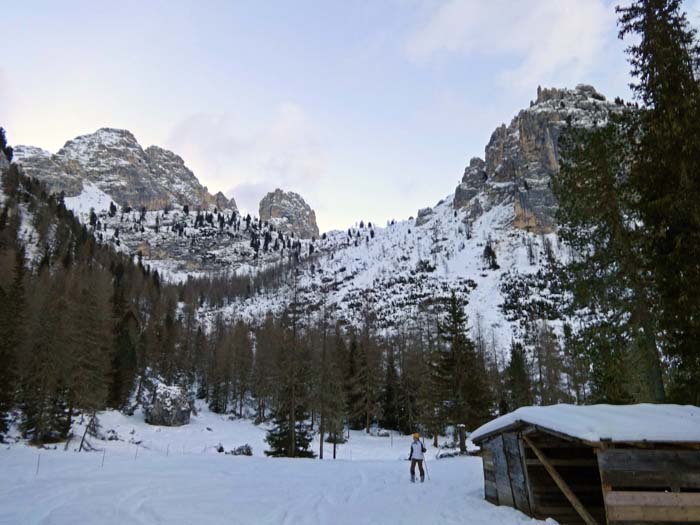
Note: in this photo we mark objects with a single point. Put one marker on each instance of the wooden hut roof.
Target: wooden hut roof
(595, 423)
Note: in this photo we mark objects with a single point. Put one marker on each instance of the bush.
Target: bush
(243, 450)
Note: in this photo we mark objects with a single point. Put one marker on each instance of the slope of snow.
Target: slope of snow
(91, 197)
(146, 474)
(403, 268)
(643, 422)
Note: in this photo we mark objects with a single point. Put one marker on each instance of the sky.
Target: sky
(368, 109)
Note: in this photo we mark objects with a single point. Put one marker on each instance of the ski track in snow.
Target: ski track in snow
(176, 477)
(72, 488)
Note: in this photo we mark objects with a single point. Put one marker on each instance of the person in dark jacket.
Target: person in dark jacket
(416, 456)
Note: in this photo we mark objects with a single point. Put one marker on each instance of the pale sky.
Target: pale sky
(368, 109)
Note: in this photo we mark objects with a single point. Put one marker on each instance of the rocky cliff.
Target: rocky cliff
(114, 161)
(289, 213)
(521, 158)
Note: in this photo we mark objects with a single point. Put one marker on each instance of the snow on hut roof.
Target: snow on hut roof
(644, 422)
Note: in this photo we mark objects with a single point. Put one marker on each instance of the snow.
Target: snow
(174, 475)
(643, 422)
(91, 197)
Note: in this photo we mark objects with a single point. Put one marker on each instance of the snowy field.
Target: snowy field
(175, 476)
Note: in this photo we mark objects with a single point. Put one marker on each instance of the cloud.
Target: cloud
(247, 159)
(553, 41)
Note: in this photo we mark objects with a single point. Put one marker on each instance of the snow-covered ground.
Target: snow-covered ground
(175, 475)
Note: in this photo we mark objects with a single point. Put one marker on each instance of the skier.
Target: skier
(416, 456)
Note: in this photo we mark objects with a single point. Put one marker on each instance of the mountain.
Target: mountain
(521, 158)
(113, 161)
(494, 233)
(289, 213)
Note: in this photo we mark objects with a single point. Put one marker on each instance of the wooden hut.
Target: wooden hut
(634, 464)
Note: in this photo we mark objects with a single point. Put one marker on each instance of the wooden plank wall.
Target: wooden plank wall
(643, 486)
(577, 465)
(504, 475)
(503, 486)
(516, 472)
(490, 491)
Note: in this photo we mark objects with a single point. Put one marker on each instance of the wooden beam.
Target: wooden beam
(575, 502)
(653, 507)
(565, 462)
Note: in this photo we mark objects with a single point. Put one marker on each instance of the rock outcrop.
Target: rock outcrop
(169, 407)
(289, 213)
(521, 158)
(223, 203)
(4, 164)
(424, 215)
(114, 161)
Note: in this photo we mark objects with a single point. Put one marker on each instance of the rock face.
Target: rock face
(424, 215)
(113, 160)
(222, 203)
(4, 164)
(289, 213)
(521, 158)
(169, 407)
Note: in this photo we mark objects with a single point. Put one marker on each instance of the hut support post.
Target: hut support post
(575, 502)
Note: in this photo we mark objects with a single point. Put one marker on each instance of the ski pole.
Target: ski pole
(425, 460)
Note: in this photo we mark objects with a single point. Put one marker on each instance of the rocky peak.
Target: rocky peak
(114, 161)
(521, 158)
(289, 213)
(223, 203)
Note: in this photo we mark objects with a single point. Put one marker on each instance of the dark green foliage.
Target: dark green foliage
(460, 371)
(517, 377)
(612, 292)
(286, 430)
(390, 395)
(5, 148)
(665, 173)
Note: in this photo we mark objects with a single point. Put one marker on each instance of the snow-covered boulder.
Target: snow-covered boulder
(169, 407)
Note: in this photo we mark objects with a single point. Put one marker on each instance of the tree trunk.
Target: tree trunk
(462, 439)
(321, 431)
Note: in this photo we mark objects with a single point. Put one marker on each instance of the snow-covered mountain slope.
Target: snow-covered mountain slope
(400, 270)
(114, 161)
(504, 205)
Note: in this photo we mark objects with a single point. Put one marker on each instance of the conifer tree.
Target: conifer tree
(611, 292)
(390, 392)
(518, 382)
(242, 363)
(665, 173)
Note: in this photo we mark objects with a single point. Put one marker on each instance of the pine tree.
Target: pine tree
(286, 430)
(461, 371)
(291, 435)
(390, 393)
(518, 382)
(612, 295)
(12, 334)
(266, 348)
(665, 173)
(242, 363)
